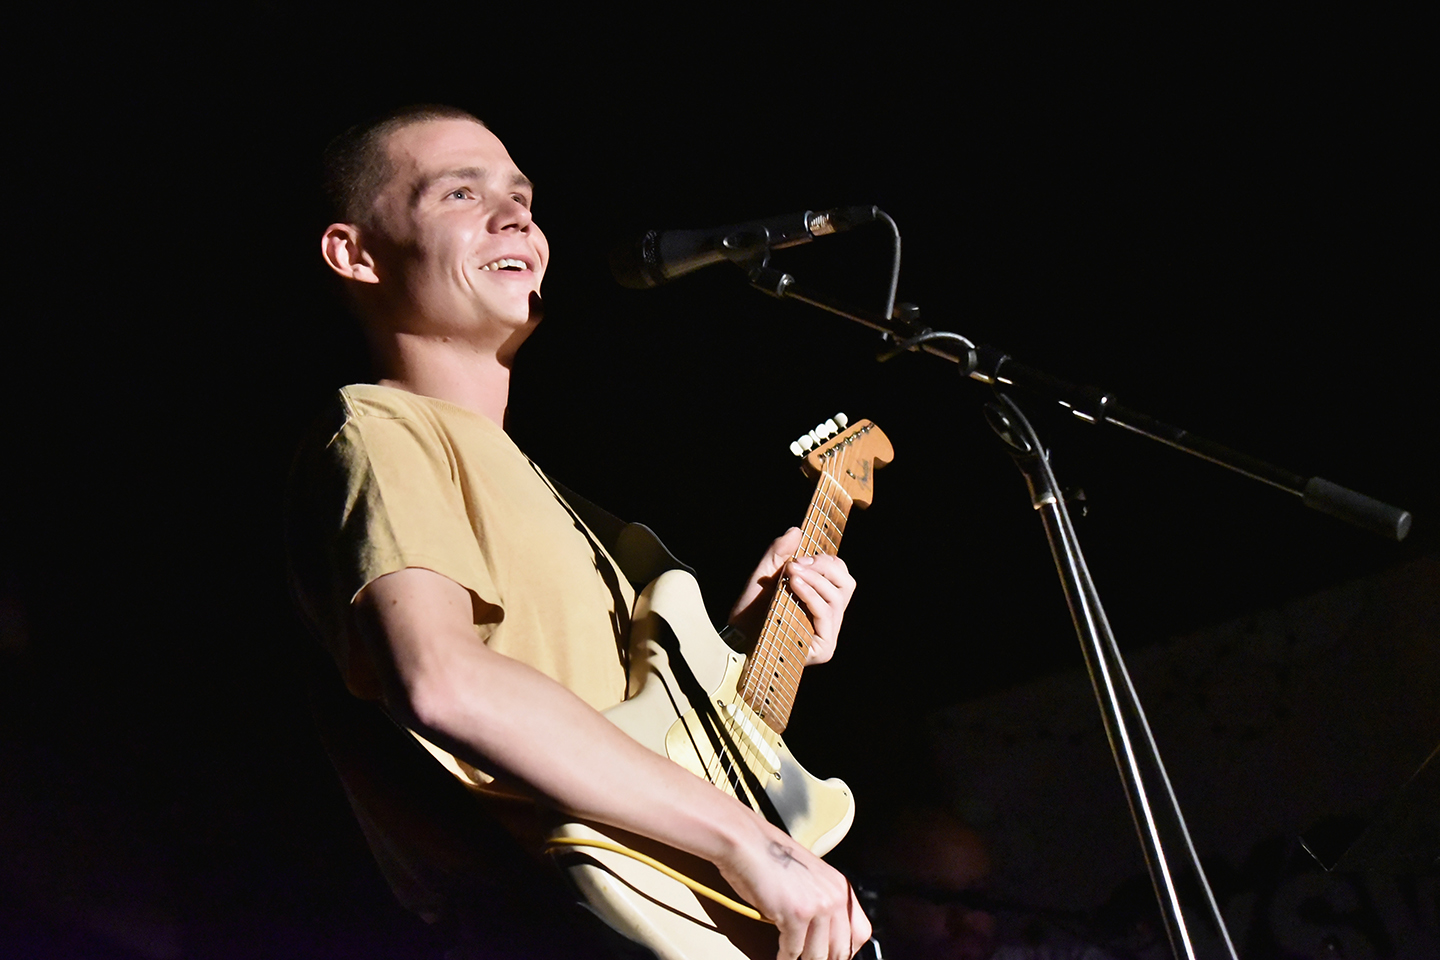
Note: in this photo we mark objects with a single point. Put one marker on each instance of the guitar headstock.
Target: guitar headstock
(848, 453)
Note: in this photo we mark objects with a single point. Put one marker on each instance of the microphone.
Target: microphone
(663, 255)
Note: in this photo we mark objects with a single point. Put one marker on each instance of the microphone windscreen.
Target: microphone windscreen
(635, 263)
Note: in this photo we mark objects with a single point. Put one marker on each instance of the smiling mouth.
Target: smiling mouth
(506, 263)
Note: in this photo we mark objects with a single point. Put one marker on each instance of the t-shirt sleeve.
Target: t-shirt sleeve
(403, 507)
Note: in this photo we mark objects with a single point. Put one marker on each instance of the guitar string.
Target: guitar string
(748, 759)
(724, 761)
(749, 752)
(823, 508)
(827, 506)
(752, 741)
(781, 612)
(723, 768)
(794, 624)
(764, 734)
(829, 516)
(791, 628)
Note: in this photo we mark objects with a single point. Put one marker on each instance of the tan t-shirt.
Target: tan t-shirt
(394, 480)
(411, 481)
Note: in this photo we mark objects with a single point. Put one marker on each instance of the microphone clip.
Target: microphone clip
(749, 249)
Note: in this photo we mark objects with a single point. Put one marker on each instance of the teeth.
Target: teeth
(505, 262)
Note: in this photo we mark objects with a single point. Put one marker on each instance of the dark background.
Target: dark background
(1227, 223)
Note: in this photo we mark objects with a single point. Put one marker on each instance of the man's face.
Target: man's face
(456, 249)
(930, 859)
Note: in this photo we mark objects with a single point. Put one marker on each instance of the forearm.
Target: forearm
(512, 721)
(533, 729)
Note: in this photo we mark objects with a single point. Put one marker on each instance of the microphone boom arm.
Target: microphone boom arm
(903, 330)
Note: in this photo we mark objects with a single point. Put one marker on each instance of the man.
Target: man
(922, 861)
(463, 593)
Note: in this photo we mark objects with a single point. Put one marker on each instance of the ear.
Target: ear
(342, 245)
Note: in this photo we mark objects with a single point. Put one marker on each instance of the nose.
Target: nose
(511, 214)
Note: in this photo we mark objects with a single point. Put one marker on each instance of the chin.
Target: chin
(520, 314)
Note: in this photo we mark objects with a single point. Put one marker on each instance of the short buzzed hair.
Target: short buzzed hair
(357, 165)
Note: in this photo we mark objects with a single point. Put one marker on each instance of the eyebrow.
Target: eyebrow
(464, 173)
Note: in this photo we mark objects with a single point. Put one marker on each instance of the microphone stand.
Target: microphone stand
(1175, 871)
(1193, 923)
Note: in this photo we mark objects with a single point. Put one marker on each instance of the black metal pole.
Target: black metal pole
(1192, 919)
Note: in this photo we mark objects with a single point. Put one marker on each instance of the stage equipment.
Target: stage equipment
(664, 255)
(1192, 920)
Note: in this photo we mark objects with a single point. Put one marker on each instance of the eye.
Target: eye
(459, 193)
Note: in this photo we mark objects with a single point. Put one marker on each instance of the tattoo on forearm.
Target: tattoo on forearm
(783, 856)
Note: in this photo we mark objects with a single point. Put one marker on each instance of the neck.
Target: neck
(447, 369)
(772, 672)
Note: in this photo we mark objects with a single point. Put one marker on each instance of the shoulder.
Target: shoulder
(359, 401)
(348, 406)
(383, 438)
(368, 404)
(371, 420)
(360, 424)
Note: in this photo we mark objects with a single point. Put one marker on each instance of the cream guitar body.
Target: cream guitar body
(720, 714)
(719, 738)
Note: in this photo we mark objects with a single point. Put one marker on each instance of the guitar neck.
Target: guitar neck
(772, 675)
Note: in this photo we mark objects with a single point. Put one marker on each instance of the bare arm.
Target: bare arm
(505, 716)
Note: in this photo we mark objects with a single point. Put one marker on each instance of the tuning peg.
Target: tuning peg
(821, 433)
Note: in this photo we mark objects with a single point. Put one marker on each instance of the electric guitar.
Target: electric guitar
(720, 714)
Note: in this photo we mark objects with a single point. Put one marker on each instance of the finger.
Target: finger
(822, 613)
(831, 568)
(840, 937)
(823, 600)
(792, 939)
(828, 585)
(825, 618)
(859, 923)
(743, 612)
(817, 944)
(828, 590)
(784, 546)
(781, 549)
